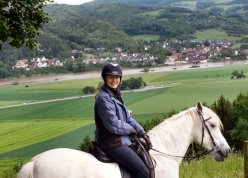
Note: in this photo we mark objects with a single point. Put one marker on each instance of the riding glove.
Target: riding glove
(147, 139)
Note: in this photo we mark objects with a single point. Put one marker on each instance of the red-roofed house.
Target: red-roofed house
(21, 64)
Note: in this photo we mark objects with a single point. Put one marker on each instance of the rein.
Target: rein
(189, 158)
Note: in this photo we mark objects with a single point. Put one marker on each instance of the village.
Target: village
(201, 53)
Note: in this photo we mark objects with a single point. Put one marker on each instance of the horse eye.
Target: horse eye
(213, 125)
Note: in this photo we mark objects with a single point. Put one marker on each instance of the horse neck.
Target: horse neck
(173, 136)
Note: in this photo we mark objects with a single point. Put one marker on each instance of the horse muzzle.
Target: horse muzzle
(221, 153)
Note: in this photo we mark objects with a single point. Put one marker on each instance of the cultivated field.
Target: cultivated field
(214, 34)
(31, 129)
(147, 37)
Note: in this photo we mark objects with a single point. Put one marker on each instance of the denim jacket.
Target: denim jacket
(114, 117)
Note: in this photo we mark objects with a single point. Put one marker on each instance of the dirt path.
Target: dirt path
(72, 76)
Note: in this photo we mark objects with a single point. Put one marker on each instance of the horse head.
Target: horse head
(208, 132)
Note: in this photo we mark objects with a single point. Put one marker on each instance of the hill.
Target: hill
(195, 4)
(71, 29)
(108, 24)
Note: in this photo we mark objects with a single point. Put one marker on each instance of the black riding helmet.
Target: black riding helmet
(112, 69)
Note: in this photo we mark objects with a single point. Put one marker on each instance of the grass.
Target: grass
(236, 45)
(70, 139)
(15, 135)
(185, 4)
(36, 92)
(147, 37)
(7, 165)
(151, 13)
(214, 34)
(208, 167)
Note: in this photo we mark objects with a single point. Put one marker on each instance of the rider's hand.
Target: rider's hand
(147, 139)
(133, 132)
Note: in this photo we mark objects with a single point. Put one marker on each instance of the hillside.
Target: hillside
(192, 4)
(108, 24)
(71, 29)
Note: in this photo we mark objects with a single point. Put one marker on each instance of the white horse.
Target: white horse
(172, 137)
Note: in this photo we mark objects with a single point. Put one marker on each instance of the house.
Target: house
(124, 54)
(74, 51)
(42, 64)
(93, 60)
(170, 62)
(205, 49)
(86, 60)
(185, 50)
(165, 45)
(101, 48)
(88, 49)
(147, 47)
(21, 64)
(54, 62)
(118, 49)
(173, 57)
(227, 59)
(246, 53)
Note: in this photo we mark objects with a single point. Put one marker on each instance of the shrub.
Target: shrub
(88, 90)
(86, 145)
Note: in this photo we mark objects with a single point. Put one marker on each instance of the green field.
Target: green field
(151, 13)
(147, 37)
(17, 94)
(30, 129)
(214, 34)
(185, 4)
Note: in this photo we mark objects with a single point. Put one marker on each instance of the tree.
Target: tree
(132, 83)
(88, 90)
(238, 75)
(223, 108)
(240, 106)
(240, 109)
(240, 133)
(20, 21)
(86, 145)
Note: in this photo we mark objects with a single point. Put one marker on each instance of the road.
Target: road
(77, 97)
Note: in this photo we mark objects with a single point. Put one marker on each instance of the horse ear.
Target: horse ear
(199, 106)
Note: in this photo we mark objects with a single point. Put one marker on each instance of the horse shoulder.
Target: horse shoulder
(165, 167)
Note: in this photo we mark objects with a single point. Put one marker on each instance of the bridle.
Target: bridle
(204, 125)
(198, 155)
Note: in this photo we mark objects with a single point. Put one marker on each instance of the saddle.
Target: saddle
(139, 147)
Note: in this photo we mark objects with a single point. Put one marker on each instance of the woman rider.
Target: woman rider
(114, 124)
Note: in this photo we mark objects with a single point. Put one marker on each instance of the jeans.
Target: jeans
(129, 160)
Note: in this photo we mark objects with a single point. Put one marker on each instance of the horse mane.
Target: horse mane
(174, 117)
(178, 115)
(191, 111)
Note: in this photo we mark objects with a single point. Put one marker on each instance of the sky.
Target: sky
(71, 2)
